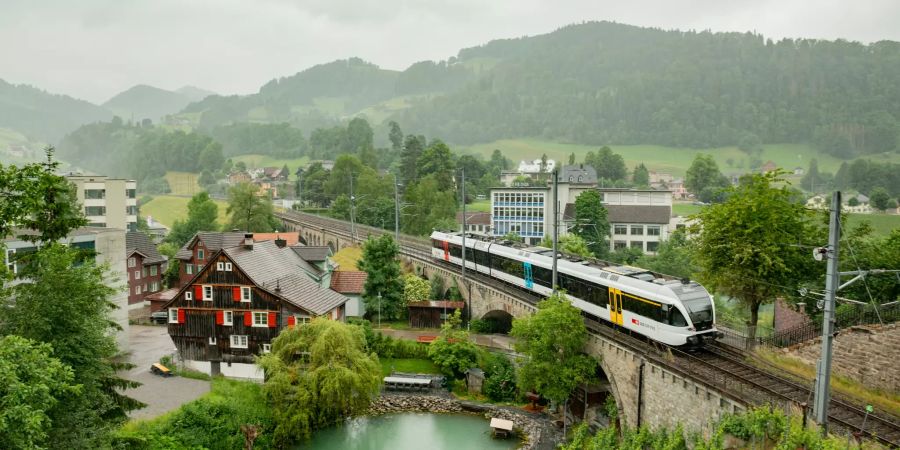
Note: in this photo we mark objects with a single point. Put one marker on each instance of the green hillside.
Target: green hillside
(43, 116)
(147, 102)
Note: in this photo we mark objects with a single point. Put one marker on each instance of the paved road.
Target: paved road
(148, 344)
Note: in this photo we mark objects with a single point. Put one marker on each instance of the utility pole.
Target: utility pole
(464, 284)
(555, 227)
(300, 190)
(352, 215)
(832, 284)
(396, 212)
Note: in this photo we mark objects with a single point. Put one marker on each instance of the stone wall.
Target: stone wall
(868, 354)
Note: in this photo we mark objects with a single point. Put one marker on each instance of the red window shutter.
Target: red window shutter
(180, 316)
(292, 321)
(198, 292)
(236, 293)
(248, 318)
(220, 317)
(273, 320)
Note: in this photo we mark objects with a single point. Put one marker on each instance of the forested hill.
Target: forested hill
(601, 82)
(44, 116)
(148, 102)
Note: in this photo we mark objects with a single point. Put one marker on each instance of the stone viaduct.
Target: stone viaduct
(646, 392)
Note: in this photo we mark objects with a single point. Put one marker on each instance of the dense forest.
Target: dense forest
(598, 83)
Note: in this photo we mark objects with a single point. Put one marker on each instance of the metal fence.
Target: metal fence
(738, 335)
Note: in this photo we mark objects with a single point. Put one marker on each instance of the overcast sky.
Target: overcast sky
(93, 49)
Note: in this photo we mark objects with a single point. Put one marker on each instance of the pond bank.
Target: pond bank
(535, 430)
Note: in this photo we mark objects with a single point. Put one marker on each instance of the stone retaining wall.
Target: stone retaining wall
(867, 354)
(535, 431)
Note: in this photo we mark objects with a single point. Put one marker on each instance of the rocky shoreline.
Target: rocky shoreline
(535, 430)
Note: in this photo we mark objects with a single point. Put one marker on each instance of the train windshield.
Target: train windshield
(698, 304)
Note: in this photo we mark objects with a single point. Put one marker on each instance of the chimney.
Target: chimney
(248, 241)
(281, 243)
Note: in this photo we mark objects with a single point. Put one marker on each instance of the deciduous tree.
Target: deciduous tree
(318, 374)
(453, 352)
(415, 289)
(747, 246)
(248, 211)
(641, 176)
(703, 175)
(552, 340)
(202, 216)
(438, 161)
(879, 198)
(591, 223)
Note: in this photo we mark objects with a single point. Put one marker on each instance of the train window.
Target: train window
(599, 295)
(676, 319)
(455, 251)
(437, 244)
(543, 276)
(481, 258)
(648, 310)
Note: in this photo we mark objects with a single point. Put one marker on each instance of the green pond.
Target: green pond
(410, 431)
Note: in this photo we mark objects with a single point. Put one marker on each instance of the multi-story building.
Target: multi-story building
(238, 302)
(108, 202)
(638, 218)
(107, 247)
(145, 267)
(522, 211)
(476, 222)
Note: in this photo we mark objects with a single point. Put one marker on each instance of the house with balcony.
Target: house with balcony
(239, 300)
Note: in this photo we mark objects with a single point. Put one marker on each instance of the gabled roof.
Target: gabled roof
(349, 282)
(136, 241)
(212, 240)
(474, 218)
(313, 254)
(280, 271)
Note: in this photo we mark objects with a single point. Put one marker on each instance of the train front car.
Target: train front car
(700, 311)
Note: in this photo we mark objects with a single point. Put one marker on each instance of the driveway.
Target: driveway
(148, 344)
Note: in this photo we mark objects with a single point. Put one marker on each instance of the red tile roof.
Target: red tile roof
(348, 282)
(292, 238)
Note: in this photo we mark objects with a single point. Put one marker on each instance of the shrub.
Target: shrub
(499, 377)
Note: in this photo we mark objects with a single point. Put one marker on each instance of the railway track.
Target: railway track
(715, 367)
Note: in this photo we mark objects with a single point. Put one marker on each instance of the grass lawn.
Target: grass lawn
(667, 159)
(881, 223)
(407, 365)
(685, 209)
(183, 183)
(479, 205)
(166, 209)
(253, 161)
(347, 258)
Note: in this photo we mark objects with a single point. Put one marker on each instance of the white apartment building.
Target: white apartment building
(638, 218)
(523, 211)
(108, 202)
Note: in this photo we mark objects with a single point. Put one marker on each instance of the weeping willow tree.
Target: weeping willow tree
(317, 375)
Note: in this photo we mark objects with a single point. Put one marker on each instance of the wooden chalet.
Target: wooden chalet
(238, 302)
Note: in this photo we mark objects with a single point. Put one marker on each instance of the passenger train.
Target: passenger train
(674, 312)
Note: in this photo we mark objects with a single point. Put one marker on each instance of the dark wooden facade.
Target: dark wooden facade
(141, 278)
(196, 263)
(431, 314)
(199, 320)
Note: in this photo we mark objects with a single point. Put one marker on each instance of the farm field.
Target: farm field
(667, 159)
(183, 183)
(253, 161)
(882, 224)
(479, 206)
(166, 209)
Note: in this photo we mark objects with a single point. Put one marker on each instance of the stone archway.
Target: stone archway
(500, 321)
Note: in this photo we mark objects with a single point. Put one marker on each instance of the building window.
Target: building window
(11, 260)
(200, 254)
(154, 286)
(619, 245)
(131, 210)
(228, 318)
(207, 293)
(212, 340)
(652, 246)
(620, 229)
(137, 274)
(144, 271)
(637, 230)
(188, 295)
(189, 269)
(267, 348)
(238, 341)
(638, 245)
(245, 294)
(94, 193)
(154, 270)
(131, 262)
(260, 319)
(220, 266)
(173, 315)
(137, 290)
(228, 267)
(130, 193)
(145, 287)
(653, 230)
(301, 319)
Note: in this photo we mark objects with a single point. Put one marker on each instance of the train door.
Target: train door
(446, 251)
(615, 306)
(529, 280)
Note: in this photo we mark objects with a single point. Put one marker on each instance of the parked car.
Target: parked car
(160, 317)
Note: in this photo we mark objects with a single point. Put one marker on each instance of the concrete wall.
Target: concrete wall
(110, 247)
(867, 354)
